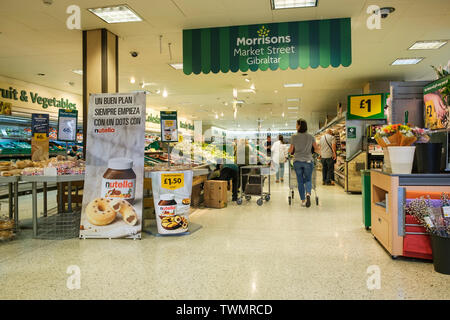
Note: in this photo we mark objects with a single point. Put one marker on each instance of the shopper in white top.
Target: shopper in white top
(328, 156)
(279, 156)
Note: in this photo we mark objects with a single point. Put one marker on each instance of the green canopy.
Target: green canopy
(284, 45)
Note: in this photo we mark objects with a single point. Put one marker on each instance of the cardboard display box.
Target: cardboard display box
(215, 194)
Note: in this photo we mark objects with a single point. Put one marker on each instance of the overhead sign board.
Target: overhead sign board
(298, 44)
(367, 106)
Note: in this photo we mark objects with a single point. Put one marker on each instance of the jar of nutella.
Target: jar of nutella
(119, 181)
(167, 204)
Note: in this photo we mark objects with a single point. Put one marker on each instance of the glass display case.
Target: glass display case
(15, 138)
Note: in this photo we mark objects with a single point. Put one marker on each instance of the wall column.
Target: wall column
(100, 68)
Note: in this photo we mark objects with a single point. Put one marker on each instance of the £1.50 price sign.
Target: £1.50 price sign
(172, 181)
(368, 106)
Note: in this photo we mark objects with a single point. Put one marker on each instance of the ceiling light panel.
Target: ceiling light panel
(176, 66)
(116, 14)
(293, 85)
(293, 99)
(426, 45)
(406, 61)
(289, 4)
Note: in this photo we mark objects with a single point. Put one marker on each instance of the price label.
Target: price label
(40, 136)
(172, 181)
(366, 107)
(446, 211)
(428, 222)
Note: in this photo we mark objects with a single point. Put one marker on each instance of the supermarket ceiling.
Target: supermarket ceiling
(34, 39)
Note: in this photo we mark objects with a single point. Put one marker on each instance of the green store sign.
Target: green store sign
(156, 119)
(153, 119)
(34, 97)
(186, 126)
(271, 46)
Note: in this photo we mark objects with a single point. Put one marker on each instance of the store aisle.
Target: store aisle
(275, 251)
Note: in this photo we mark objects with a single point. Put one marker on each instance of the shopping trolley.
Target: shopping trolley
(293, 180)
(255, 175)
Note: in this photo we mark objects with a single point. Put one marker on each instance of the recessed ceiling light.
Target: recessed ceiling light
(217, 116)
(247, 79)
(424, 45)
(176, 66)
(282, 114)
(288, 4)
(276, 91)
(132, 80)
(406, 61)
(293, 85)
(252, 87)
(80, 72)
(292, 108)
(116, 14)
(240, 101)
(165, 94)
(293, 99)
(221, 114)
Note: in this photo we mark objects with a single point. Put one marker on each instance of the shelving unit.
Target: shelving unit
(338, 127)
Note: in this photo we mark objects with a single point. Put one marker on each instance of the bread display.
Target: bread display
(64, 165)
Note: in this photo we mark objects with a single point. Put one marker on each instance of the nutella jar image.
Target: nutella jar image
(167, 205)
(168, 217)
(119, 180)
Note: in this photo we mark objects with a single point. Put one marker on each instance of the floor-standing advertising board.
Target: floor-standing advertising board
(113, 186)
(171, 188)
(172, 199)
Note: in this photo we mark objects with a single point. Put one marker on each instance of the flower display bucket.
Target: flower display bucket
(441, 254)
(401, 159)
(428, 157)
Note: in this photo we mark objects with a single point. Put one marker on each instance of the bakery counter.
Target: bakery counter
(388, 198)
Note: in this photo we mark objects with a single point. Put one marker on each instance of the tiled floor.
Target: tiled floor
(275, 251)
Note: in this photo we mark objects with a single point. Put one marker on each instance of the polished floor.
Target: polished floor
(275, 251)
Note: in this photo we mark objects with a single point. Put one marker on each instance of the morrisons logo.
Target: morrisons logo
(263, 38)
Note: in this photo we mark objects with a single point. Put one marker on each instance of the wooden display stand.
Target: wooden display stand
(388, 223)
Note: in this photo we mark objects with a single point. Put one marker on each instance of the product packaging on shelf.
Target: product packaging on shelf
(172, 198)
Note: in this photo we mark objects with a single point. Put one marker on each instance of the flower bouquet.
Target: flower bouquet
(421, 134)
(395, 135)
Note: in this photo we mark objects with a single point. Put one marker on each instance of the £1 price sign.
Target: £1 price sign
(368, 106)
(172, 181)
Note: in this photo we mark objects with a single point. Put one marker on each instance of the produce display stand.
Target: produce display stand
(34, 180)
(13, 197)
(387, 204)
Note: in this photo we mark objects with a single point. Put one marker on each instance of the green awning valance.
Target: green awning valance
(284, 45)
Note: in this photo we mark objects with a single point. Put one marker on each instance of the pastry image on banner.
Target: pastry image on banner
(114, 179)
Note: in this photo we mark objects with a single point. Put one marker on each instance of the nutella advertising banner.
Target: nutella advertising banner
(172, 199)
(113, 185)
